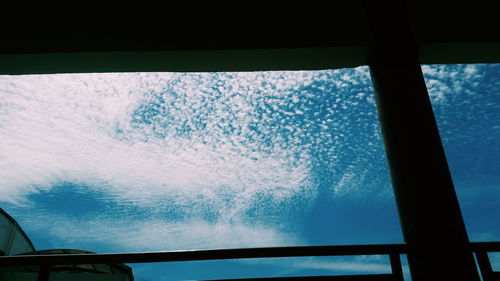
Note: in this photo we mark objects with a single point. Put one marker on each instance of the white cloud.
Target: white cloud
(80, 129)
(197, 142)
(345, 183)
(445, 81)
(108, 234)
(357, 266)
(64, 128)
(337, 265)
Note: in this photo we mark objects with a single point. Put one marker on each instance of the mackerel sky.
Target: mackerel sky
(119, 162)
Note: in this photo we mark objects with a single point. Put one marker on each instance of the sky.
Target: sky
(134, 162)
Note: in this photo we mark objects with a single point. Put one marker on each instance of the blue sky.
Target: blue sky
(121, 162)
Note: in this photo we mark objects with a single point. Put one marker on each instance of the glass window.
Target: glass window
(466, 102)
(268, 267)
(118, 162)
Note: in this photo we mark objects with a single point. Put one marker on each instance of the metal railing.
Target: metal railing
(394, 251)
(481, 249)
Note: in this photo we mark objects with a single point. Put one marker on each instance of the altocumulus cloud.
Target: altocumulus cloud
(110, 234)
(218, 143)
(64, 128)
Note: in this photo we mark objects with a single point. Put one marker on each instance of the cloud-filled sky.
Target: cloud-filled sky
(466, 103)
(119, 162)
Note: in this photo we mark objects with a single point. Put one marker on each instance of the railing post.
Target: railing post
(396, 268)
(485, 266)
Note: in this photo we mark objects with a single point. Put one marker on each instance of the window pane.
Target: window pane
(495, 260)
(466, 102)
(267, 267)
(121, 162)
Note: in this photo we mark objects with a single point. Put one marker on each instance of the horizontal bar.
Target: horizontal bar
(372, 277)
(485, 246)
(311, 58)
(194, 255)
(221, 254)
(185, 60)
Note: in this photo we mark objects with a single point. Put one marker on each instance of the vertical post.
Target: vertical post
(396, 268)
(432, 223)
(433, 228)
(485, 265)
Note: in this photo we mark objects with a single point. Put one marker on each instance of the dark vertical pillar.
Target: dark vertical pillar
(432, 223)
(428, 207)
